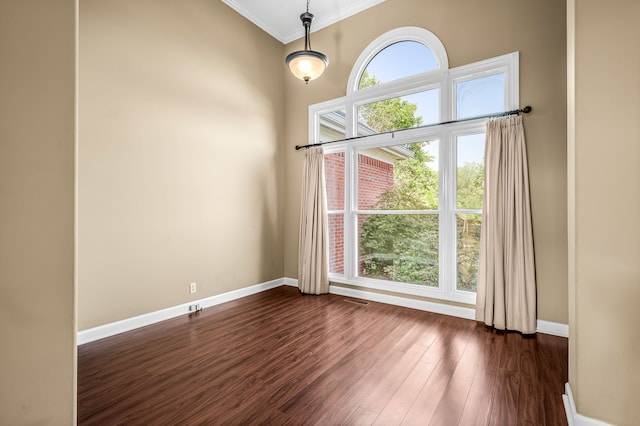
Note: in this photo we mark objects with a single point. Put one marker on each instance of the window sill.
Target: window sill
(402, 289)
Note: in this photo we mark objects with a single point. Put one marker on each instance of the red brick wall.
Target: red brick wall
(334, 176)
(336, 243)
(374, 177)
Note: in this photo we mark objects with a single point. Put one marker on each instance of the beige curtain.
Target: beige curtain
(313, 256)
(506, 296)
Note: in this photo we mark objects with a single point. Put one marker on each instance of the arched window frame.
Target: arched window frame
(419, 35)
(446, 81)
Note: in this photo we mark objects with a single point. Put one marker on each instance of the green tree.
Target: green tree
(468, 250)
(388, 114)
(401, 248)
(470, 182)
(415, 183)
(404, 247)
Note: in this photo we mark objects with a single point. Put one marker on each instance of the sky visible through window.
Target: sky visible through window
(404, 59)
(480, 96)
(470, 149)
(475, 97)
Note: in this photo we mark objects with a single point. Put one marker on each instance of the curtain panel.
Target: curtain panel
(313, 255)
(506, 294)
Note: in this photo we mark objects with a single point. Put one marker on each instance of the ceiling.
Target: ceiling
(281, 18)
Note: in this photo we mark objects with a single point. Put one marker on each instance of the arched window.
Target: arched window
(378, 70)
(405, 207)
(399, 53)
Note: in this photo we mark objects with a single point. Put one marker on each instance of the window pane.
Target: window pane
(468, 250)
(396, 61)
(399, 113)
(332, 126)
(470, 171)
(402, 248)
(336, 243)
(334, 180)
(480, 96)
(399, 177)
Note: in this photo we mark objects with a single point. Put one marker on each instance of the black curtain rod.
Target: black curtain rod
(525, 110)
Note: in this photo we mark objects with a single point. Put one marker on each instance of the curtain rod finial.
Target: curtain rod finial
(527, 109)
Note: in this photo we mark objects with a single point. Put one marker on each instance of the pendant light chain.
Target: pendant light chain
(307, 32)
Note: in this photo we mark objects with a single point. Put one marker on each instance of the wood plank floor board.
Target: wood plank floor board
(476, 410)
(493, 347)
(450, 407)
(314, 399)
(504, 408)
(361, 417)
(382, 387)
(403, 399)
(425, 405)
(376, 386)
(281, 358)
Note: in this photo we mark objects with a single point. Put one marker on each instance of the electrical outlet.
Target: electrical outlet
(193, 288)
(194, 308)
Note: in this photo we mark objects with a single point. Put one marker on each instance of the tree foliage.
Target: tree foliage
(470, 182)
(388, 114)
(404, 247)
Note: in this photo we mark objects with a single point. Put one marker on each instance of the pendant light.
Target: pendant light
(307, 64)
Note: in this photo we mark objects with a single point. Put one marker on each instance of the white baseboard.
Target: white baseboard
(422, 305)
(553, 328)
(573, 418)
(545, 327)
(111, 329)
(290, 281)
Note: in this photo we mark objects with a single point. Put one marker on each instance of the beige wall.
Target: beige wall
(37, 146)
(156, 78)
(604, 198)
(471, 31)
(180, 155)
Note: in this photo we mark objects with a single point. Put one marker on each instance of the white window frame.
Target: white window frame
(445, 79)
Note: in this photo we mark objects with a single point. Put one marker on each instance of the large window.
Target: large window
(405, 193)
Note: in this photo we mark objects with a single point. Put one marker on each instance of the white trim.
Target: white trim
(508, 64)
(573, 418)
(290, 282)
(542, 326)
(265, 26)
(292, 32)
(111, 329)
(420, 35)
(553, 328)
(326, 19)
(439, 292)
(422, 305)
(445, 80)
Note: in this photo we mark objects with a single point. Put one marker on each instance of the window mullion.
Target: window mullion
(447, 189)
(445, 98)
(447, 194)
(350, 191)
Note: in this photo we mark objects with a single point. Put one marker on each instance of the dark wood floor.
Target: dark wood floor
(280, 358)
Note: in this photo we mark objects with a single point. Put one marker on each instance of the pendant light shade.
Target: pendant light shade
(307, 64)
